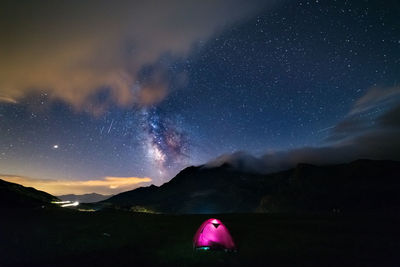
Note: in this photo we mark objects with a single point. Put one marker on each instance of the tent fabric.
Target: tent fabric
(213, 234)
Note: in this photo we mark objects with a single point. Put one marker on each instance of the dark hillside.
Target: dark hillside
(17, 196)
(359, 186)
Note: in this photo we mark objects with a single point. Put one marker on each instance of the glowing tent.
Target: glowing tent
(213, 235)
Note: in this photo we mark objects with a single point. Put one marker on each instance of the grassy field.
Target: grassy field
(117, 238)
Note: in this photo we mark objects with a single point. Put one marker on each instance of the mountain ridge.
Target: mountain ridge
(304, 188)
(14, 195)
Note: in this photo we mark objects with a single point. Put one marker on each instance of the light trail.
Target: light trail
(73, 204)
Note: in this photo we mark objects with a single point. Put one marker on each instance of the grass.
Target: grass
(55, 237)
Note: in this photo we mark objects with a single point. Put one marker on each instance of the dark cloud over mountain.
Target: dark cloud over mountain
(371, 130)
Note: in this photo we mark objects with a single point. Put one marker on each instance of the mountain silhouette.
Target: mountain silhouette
(359, 186)
(17, 196)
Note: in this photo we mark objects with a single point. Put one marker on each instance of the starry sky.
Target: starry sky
(108, 98)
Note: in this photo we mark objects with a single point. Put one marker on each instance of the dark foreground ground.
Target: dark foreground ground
(117, 238)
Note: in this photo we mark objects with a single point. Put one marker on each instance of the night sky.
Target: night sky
(181, 84)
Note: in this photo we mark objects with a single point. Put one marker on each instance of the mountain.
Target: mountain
(359, 186)
(196, 190)
(17, 196)
(85, 198)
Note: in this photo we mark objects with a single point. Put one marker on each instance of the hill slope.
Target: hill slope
(17, 196)
(359, 186)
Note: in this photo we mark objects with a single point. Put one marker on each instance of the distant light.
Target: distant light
(66, 203)
(60, 202)
(55, 146)
(87, 210)
(74, 204)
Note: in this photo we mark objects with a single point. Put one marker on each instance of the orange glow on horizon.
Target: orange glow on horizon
(106, 186)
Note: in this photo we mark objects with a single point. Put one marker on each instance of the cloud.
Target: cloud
(283, 160)
(72, 50)
(240, 160)
(371, 130)
(105, 186)
(6, 99)
(376, 97)
(377, 112)
(392, 118)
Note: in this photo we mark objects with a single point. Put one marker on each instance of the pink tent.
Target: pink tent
(213, 234)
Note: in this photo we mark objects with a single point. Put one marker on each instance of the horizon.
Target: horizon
(217, 164)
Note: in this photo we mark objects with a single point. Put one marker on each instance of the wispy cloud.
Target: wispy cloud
(106, 185)
(6, 99)
(373, 113)
(74, 50)
(371, 130)
(376, 97)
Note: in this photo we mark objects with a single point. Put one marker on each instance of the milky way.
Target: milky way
(166, 144)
